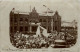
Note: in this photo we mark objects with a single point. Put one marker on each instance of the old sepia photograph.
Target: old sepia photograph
(37, 30)
(40, 24)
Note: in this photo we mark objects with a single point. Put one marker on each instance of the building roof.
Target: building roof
(33, 10)
(69, 24)
(20, 12)
(46, 14)
(66, 24)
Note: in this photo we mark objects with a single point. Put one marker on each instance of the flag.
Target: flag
(44, 5)
(45, 33)
(48, 9)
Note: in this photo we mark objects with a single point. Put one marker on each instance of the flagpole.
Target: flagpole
(30, 8)
(51, 19)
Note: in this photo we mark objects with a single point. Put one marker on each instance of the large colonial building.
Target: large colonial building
(27, 22)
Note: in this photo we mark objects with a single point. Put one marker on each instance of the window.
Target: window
(34, 28)
(11, 19)
(11, 29)
(15, 28)
(21, 28)
(49, 31)
(44, 20)
(15, 19)
(26, 28)
(21, 19)
(55, 28)
(26, 20)
(48, 21)
(44, 27)
(40, 20)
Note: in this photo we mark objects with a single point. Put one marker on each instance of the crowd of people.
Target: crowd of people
(24, 41)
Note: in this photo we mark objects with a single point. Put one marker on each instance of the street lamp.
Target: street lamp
(50, 11)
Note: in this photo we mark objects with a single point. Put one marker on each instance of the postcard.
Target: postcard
(39, 25)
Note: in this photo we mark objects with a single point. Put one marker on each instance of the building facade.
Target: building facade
(69, 26)
(27, 23)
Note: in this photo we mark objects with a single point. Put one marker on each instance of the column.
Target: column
(30, 29)
(23, 25)
(47, 24)
(13, 22)
(51, 25)
(18, 21)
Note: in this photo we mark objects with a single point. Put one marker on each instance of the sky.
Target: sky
(68, 9)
